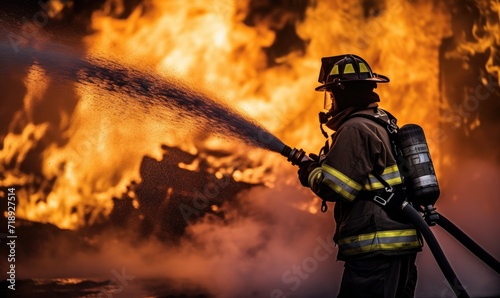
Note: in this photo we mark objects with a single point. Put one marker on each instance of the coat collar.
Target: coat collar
(336, 121)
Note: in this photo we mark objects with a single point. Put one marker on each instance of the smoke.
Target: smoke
(264, 246)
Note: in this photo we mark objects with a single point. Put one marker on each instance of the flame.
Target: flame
(16, 147)
(486, 37)
(485, 41)
(212, 46)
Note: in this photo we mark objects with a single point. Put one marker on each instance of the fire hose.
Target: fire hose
(435, 248)
(297, 156)
(468, 243)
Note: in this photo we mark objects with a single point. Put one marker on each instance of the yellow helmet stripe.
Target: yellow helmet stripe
(363, 68)
(349, 68)
(335, 70)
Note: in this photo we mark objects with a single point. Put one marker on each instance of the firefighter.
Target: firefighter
(377, 246)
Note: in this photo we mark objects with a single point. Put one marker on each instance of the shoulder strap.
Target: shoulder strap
(390, 199)
(390, 126)
(392, 129)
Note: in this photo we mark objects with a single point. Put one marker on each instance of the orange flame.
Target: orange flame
(209, 44)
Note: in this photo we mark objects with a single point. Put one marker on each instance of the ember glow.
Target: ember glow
(72, 147)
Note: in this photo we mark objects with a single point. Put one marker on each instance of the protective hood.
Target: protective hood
(339, 118)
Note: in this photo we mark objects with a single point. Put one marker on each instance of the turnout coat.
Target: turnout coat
(361, 147)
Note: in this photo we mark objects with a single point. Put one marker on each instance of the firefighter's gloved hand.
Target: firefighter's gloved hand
(305, 169)
(313, 156)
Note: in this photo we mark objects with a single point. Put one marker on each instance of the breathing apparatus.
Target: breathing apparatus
(409, 146)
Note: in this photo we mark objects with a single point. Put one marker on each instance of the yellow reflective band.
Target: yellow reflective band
(313, 176)
(391, 175)
(335, 70)
(379, 234)
(340, 183)
(348, 68)
(341, 176)
(379, 185)
(362, 67)
(382, 246)
(390, 169)
(381, 240)
(349, 196)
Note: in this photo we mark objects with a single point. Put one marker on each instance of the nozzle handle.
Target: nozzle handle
(295, 156)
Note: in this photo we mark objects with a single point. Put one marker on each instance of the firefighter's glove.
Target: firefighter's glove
(314, 157)
(305, 169)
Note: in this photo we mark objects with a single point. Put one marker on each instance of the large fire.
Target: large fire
(209, 43)
(259, 58)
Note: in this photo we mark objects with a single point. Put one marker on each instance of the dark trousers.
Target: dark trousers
(381, 276)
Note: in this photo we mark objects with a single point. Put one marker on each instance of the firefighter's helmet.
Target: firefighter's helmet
(346, 68)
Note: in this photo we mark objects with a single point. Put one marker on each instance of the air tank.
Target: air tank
(417, 167)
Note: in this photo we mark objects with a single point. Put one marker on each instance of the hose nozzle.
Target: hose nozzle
(295, 156)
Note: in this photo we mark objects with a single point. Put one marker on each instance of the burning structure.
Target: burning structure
(96, 174)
